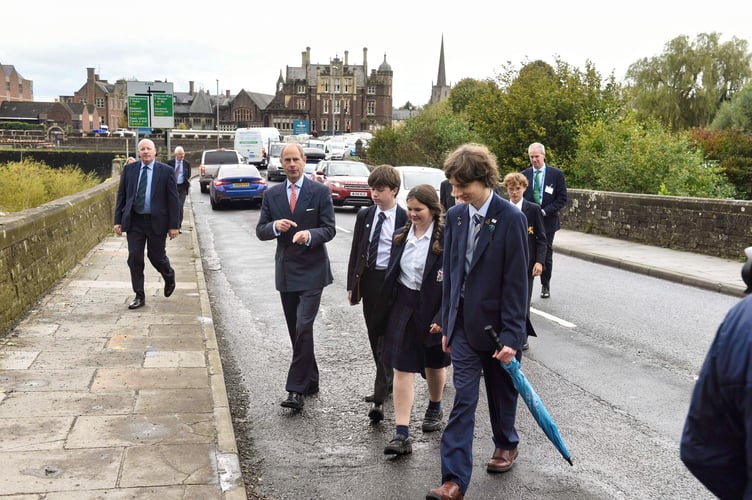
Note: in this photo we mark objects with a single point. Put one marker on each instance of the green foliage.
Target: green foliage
(685, 86)
(425, 139)
(731, 150)
(627, 156)
(26, 184)
(540, 103)
(736, 113)
(21, 126)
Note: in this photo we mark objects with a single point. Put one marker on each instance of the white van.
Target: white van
(253, 143)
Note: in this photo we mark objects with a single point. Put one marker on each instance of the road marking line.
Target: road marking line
(553, 318)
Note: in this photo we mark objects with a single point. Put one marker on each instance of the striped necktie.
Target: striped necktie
(373, 246)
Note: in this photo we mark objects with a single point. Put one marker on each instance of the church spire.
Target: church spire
(441, 80)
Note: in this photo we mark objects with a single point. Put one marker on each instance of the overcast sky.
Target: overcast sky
(246, 44)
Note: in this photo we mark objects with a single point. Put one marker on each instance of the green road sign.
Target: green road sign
(162, 105)
(138, 111)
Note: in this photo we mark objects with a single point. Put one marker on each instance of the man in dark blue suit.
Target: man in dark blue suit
(182, 169)
(547, 188)
(485, 283)
(299, 215)
(147, 210)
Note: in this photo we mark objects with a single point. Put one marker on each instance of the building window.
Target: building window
(336, 125)
(100, 102)
(301, 104)
(326, 86)
(371, 107)
(20, 89)
(372, 90)
(7, 86)
(326, 106)
(324, 124)
(347, 86)
(337, 106)
(301, 88)
(83, 101)
(347, 107)
(337, 88)
(313, 125)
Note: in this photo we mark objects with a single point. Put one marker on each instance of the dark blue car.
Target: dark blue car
(236, 183)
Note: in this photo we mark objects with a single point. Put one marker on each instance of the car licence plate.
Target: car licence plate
(359, 193)
(241, 184)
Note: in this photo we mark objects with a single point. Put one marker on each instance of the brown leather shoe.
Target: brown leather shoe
(448, 491)
(502, 460)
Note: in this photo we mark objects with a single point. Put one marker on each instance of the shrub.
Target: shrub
(26, 184)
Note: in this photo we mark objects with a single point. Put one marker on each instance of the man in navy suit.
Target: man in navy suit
(299, 215)
(485, 283)
(547, 188)
(182, 168)
(147, 210)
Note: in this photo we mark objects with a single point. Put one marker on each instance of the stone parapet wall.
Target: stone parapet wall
(721, 228)
(38, 246)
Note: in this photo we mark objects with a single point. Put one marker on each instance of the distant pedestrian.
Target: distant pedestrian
(515, 184)
(147, 210)
(445, 195)
(182, 169)
(716, 445)
(366, 270)
(299, 214)
(547, 188)
(413, 339)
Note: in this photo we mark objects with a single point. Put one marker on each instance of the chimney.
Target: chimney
(302, 59)
(90, 74)
(308, 55)
(347, 54)
(190, 88)
(365, 61)
(227, 93)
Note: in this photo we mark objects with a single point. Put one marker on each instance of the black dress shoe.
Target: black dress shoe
(545, 292)
(376, 414)
(137, 302)
(169, 288)
(294, 400)
(399, 445)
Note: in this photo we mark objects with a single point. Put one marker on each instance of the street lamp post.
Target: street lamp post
(334, 97)
(217, 127)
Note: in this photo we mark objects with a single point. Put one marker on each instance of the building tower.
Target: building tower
(441, 90)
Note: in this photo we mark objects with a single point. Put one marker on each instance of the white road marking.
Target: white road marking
(553, 318)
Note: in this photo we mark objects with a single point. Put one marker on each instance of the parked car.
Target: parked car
(211, 160)
(124, 132)
(274, 171)
(411, 176)
(236, 183)
(347, 181)
(337, 149)
(103, 130)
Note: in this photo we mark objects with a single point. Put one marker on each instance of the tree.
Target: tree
(685, 86)
(735, 114)
(630, 156)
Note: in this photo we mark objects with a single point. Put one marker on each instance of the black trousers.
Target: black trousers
(549, 264)
(141, 236)
(300, 310)
(376, 313)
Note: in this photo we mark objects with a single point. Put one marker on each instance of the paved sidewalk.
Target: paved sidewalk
(702, 271)
(98, 401)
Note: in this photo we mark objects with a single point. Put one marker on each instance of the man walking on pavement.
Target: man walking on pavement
(147, 210)
(299, 214)
(182, 169)
(546, 187)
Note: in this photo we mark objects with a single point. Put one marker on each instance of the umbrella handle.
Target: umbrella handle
(495, 338)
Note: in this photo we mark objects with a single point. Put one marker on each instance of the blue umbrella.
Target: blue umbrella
(532, 400)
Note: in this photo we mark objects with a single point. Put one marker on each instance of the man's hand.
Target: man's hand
(172, 233)
(505, 355)
(284, 225)
(301, 237)
(118, 229)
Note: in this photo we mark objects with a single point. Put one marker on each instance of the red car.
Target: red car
(347, 181)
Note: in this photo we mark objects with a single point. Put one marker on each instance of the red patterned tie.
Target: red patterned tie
(293, 197)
